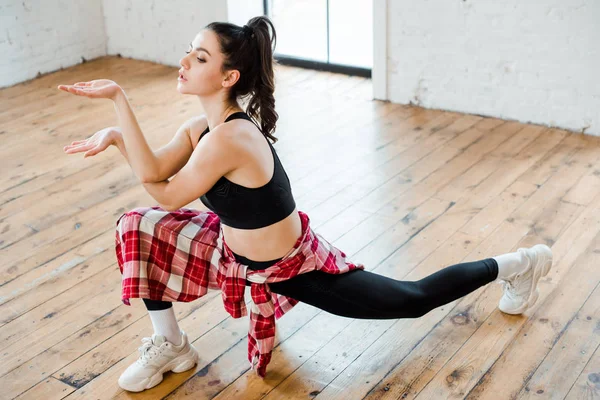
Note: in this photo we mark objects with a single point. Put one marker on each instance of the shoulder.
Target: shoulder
(243, 132)
(228, 135)
(223, 141)
(196, 125)
(236, 137)
(198, 121)
(219, 153)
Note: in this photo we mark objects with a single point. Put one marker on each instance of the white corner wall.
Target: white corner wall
(37, 37)
(535, 62)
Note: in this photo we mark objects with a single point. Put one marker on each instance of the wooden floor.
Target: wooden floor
(404, 190)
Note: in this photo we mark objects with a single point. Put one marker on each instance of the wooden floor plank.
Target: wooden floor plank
(587, 386)
(571, 352)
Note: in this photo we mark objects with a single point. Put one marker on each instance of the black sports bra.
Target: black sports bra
(251, 208)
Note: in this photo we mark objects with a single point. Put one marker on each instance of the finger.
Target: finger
(75, 143)
(73, 149)
(80, 91)
(84, 89)
(75, 88)
(67, 88)
(79, 148)
(80, 145)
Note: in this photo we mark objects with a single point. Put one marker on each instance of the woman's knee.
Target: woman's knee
(136, 212)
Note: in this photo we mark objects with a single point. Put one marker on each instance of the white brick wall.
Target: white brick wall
(158, 31)
(531, 61)
(41, 36)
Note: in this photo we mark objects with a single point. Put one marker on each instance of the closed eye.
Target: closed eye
(199, 59)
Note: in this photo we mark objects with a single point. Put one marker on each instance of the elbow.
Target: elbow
(168, 208)
(145, 179)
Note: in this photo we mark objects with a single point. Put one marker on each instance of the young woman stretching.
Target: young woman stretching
(254, 234)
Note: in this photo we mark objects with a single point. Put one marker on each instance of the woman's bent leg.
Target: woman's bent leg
(154, 305)
(163, 320)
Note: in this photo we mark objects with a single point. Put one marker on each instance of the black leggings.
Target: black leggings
(367, 295)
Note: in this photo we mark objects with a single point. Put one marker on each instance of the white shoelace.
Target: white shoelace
(148, 350)
(510, 289)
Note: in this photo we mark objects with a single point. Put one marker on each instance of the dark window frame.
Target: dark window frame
(319, 65)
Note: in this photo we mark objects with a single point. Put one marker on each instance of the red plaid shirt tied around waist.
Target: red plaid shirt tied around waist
(177, 256)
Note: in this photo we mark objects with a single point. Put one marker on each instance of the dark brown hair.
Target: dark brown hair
(249, 49)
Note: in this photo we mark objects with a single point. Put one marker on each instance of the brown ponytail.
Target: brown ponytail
(249, 49)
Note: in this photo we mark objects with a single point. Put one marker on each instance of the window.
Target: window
(331, 35)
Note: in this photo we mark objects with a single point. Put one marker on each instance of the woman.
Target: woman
(254, 230)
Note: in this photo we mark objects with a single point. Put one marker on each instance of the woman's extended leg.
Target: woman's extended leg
(367, 295)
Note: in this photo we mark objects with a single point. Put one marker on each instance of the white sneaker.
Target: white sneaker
(520, 289)
(157, 355)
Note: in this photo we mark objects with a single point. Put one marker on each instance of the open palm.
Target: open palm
(96, 89)
(95, 144)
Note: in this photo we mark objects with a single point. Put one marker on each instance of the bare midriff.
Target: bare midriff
(265, 244)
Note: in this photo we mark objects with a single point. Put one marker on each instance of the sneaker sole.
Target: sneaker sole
(179, 364)
(538, 273)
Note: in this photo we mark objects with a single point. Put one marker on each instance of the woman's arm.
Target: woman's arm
(142, 159)
(119, 144)
(155, 189)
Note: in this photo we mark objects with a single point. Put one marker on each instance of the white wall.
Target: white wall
(529, 61)
(533, 62)
(42, 36)
(157, 31)
(37, 37)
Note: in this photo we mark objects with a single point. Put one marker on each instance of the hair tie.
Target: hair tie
(248, 30)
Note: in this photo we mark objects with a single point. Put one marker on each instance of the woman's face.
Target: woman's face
(201, 67)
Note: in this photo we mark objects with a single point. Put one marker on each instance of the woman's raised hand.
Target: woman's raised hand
(96, 89)
(95, 144)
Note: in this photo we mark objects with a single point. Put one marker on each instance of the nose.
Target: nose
(182, 62)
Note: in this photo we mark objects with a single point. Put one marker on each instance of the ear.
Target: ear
(231, 78)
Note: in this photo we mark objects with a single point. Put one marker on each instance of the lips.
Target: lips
(181, 77)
